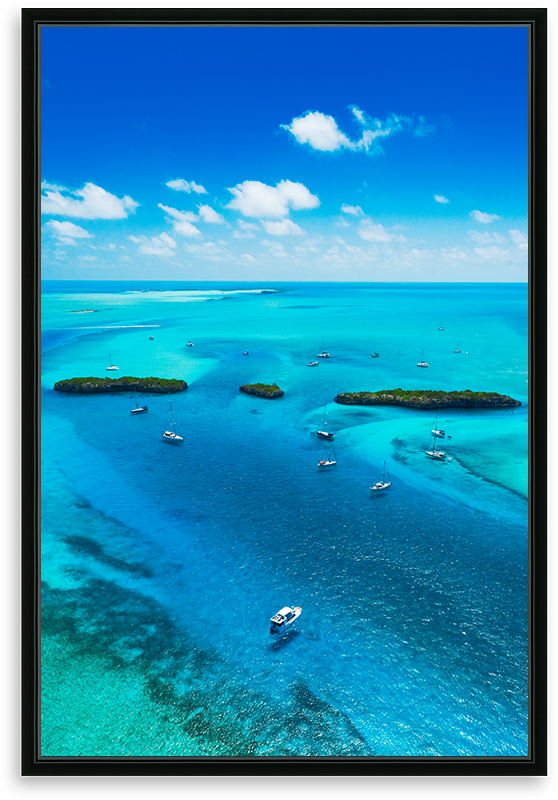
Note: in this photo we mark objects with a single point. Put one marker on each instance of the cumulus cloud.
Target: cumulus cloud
(321, 131)
(356, 210)
(256, 199)
(485, 237)
(208, 214)
(519, 239)
(246, 230)
(373, 232)
(318, 130)
(156, 245)
(180, 185)
(439, 198)
(181, 221)
(481, 216)
(91, 202)
(66, 232)
(282, 227)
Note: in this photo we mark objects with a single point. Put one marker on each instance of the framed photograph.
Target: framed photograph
(284, 376)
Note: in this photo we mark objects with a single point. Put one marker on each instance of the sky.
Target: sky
(284, 153)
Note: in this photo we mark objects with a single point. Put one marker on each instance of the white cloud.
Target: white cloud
(208, 214)
(52, 186)
(439, 198)
(519, 239)
(492, 252)
(66, 232)
(181, 221)
(356, 210)
(248, 257)
(481, 216)
(156, 245)
(256, 199)
(180, 185)
(246, 230)
(318, 130)
(209, 251)
(282, 227)
(483, 238)
(373, 232)
(94, 203)
(321, 131)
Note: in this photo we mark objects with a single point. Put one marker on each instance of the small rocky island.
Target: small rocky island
(262, 389)
(427, 399)
(124, 384)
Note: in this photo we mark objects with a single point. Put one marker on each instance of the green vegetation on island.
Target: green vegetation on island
(124, 384)
(262, 389)
(427, 399)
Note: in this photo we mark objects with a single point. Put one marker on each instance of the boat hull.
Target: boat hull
(140, 410)
(173, 438)
(326, 435)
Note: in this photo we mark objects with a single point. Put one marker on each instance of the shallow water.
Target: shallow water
(162, 564)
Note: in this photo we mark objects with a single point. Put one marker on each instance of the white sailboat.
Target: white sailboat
(324, 353)
(457, 350)
(329, 461)
(312, 363)
(112, 366)
(172, 436)
(435, 431)
(437, 455)
(422, 362)
(384, 483)
(323, 433)
(138, 409)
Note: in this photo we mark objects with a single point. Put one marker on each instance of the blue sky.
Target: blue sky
(358, 154)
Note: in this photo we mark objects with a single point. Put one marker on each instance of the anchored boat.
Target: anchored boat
(384, 483)
(172, 436)
(285, 617)
(323, 433)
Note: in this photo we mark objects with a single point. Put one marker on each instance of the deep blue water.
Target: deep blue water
(162, 564)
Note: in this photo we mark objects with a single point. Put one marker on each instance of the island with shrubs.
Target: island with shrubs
(269, 390)
(124, 384)
(427, 399)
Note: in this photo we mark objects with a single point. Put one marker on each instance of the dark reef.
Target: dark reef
(262, 389)
(124, 384)
(427, 399)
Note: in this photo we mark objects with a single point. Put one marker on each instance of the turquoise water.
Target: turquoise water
(162, 564)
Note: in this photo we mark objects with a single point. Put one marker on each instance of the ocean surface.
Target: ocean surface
(162, 564)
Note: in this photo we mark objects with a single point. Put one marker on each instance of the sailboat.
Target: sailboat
(172, 436)
(324, 354)
(435, 431)
(112, 366)
(383, 484)
(138, 409)
(189, 343)
(329, 461)
(312, 363)
(325, 434)
(438, 455)
(422, 362)
(374, 355)
(457, 350)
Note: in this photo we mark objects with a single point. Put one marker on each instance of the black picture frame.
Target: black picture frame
(32, 763)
